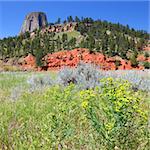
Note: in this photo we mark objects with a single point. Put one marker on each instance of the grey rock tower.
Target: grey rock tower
(33, 21)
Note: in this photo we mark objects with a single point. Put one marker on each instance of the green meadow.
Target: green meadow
(106, 117)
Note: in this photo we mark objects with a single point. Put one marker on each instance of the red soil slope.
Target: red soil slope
(71, 58)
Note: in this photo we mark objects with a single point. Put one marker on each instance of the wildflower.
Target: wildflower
(84, 104)
(109, 126)
(110, 79)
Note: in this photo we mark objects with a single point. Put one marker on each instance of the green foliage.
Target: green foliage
(116, 114)
(147, 65)
(133, 60)
(146, 54)
(116, 39)
(58, 21)
(39, 55)
(117, 63)
(102, 36)
(72, 43)
(64, 37)
(65, 41)
(109, 117)
(70, 19)
(77, 19)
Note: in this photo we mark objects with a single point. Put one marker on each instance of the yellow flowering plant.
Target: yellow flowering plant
(114, 112)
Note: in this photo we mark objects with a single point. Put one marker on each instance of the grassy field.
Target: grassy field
(72, 34)
(38, 113)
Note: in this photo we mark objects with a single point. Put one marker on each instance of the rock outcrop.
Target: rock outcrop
(71, 58)
(29, 63)
(34, 20)
(60, 27)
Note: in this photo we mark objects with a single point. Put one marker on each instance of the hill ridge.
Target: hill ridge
(96, 35)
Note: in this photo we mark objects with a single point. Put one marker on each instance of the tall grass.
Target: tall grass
(48, 111)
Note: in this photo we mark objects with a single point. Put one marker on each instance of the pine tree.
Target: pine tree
(70, 19)
(58, 21)
(65, 40)
(64, 37)
(39, 56)
(58, 43)
(77, 19)
(134, 61)
(72, 43)
(91, 44)
(147, 65)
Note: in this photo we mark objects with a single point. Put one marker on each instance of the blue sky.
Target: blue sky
(133, 13)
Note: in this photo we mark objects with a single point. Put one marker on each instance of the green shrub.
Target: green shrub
(146, 54)
(134, 61)
(107, 117)
(117, 115)
(147, 65)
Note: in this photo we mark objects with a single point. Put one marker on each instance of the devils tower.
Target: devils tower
(34, 20)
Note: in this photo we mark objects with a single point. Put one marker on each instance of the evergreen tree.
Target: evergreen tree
(64, 37)
(82, 43)
(58, 43)
(146, 54)
(39, 55)
(147, 65)
(72, 43)
(112, 48)
(91, 43)
(134, 61)
(58, 21)
(77, 19)
(64, 21)
(70, 19)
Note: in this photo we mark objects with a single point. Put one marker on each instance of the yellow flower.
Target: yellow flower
(84, 104)
(109, 126)
(110, 79)
(82, 93)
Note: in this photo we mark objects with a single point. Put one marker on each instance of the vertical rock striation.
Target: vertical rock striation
(34, 20)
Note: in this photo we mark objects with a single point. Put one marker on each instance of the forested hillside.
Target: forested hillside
(96, 35)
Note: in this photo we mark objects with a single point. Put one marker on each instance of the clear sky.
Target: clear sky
(133, 13)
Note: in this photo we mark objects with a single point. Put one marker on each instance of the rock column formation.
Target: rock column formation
(34, 20)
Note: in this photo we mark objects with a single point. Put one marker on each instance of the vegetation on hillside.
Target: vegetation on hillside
(96, 35)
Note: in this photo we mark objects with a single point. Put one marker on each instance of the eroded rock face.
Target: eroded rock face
(34, 20)
(29, 62)
(60, 27)
(71, 58)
